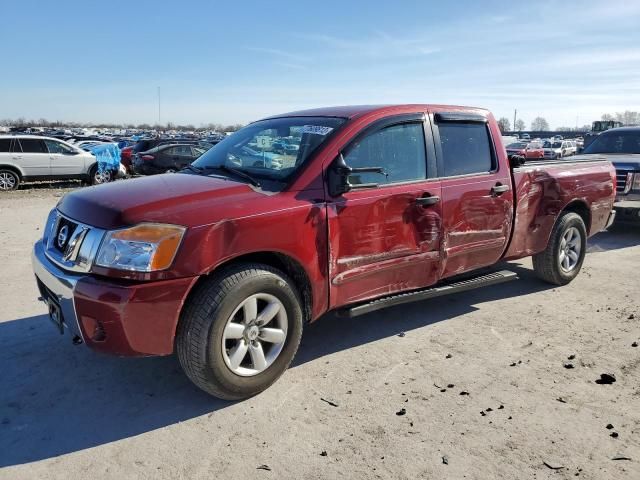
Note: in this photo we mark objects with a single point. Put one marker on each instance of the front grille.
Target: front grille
(63, 234)
(622, 181)
(72, 249)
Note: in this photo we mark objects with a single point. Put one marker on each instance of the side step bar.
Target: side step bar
(445, 289)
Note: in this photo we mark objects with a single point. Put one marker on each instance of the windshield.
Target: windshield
(615, 142)
(271, 149)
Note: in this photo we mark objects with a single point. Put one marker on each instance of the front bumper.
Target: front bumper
(627, 211)
(115, 317)
(54, 282)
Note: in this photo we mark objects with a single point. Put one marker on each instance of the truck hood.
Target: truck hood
(180, 199)
(627, 161)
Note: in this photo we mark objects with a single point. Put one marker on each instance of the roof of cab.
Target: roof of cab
(351, 111)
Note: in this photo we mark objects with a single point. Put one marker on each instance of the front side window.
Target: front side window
(57, 147)
(399, 149)
(33, 145)
(270, 149)
(466, 148)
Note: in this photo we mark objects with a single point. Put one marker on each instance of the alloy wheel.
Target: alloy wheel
(570, 248)
(7, 181)
(254, 334)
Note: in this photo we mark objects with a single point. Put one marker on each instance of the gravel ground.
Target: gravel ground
(476, 385)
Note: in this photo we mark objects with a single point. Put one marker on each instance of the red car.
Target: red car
(527, 150)
(226, 262)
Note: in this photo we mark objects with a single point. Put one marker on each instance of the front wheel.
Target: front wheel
(239, 331)
(98, 176)
(562, 260)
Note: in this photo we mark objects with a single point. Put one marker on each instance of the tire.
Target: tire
(9, 180)
(205, 351)
(550, 265)
(97, 177)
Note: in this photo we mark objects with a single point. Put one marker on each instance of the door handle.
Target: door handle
(498, 189)
(427, 200)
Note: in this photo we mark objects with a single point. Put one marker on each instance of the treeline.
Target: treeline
(43, 122)
(541, 124)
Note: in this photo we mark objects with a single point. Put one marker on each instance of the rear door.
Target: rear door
(183, 156)
(386, 238)
(65, 161)
(33, 156)
(477, 200)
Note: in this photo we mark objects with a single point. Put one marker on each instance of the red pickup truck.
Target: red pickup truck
(368, 207)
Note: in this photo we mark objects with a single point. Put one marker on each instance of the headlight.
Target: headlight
(636, 182)
(146, 247)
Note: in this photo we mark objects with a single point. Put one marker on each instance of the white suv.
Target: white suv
(28, 157)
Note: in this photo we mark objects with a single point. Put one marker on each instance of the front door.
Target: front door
(477, 200)
(385, 234)
(65, 161)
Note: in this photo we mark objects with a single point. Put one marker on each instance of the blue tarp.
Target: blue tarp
(108, 155)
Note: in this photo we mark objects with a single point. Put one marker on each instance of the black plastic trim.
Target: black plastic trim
(437, 291)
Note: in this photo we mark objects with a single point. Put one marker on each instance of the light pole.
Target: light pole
(159, 106)
(515, 114)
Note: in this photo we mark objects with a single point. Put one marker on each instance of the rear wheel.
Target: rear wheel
(9, 180)
(562, 260)
(239, 331)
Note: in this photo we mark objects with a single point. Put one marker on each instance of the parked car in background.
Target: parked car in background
(166, 158)
(621, 146)
(527, 150)
(558, 149)
(525, 136)
(127, 153)
(25, 158)
(225, 265)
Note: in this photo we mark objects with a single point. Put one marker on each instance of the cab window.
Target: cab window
(399, 149)
(466, 148)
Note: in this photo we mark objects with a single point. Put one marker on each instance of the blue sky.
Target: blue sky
(238, 61)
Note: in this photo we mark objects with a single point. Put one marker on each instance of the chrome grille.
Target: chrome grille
(623, 181)
(70, 244)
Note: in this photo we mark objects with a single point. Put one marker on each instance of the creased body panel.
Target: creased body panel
(543, 191)
(382, 242)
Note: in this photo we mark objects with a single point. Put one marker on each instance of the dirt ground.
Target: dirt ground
(475, 385)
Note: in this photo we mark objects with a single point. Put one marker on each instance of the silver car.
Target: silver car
(28, 157)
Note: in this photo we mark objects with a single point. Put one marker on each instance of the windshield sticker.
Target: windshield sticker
(316, 129)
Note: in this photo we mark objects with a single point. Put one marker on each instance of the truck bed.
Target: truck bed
(542, 189)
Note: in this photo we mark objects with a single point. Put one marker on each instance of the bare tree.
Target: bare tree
(628, 117)
(539, 124)
(504, 124)
(520, 125)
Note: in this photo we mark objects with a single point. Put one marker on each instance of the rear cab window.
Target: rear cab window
(465, 148)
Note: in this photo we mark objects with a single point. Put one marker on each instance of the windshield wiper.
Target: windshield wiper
(193, 168)
(238, 173)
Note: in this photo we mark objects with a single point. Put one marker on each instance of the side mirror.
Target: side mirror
(339, 174)
(516, 161)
